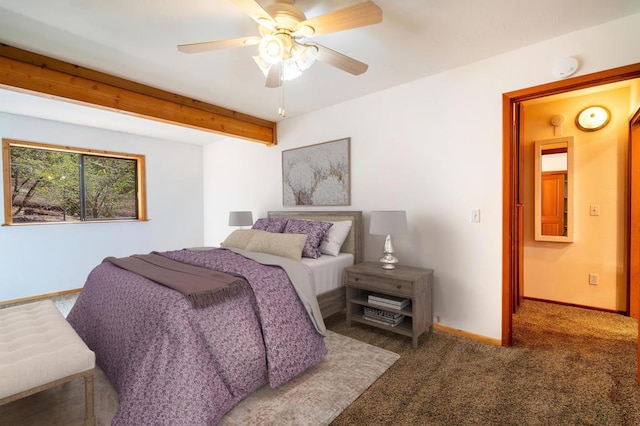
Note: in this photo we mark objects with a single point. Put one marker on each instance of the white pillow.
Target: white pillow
(335, 237)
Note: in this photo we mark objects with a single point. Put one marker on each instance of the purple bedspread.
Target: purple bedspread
(174, 365)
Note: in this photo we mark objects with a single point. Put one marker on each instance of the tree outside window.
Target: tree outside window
(48, 184)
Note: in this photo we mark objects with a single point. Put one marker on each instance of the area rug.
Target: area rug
(319, 395)
(314, 398)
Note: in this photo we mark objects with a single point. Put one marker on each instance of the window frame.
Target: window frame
(141, 191)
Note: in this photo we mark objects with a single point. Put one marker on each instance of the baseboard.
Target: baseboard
(462, 333)
(613, 311)
(39, 297)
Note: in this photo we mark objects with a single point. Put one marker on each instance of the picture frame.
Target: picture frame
(317, 175)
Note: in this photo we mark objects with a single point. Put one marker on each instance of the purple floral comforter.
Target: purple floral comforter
(172, 364)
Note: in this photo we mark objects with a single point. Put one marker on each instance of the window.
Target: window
(54, 184)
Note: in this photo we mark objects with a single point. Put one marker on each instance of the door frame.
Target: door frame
(633, 222)
(512, 244)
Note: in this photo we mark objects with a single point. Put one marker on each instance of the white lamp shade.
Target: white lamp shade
(388, 222)
(240, 219)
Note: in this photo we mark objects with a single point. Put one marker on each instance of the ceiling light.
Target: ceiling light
(304, 55)
(593, 118)
(297, 58)
(290, 69)
(271, 49)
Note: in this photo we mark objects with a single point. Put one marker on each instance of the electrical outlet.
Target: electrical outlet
(475, 215)
(438, 319)
(593, 279)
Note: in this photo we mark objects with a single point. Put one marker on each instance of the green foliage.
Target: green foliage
(110, 187)
(46, 186)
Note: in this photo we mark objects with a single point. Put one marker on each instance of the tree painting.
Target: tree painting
(317, 175)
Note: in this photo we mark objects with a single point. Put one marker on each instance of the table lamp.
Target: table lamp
(240, 219)
(388, 223)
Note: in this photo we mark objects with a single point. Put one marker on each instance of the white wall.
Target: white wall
(432, 147)
(41, 259)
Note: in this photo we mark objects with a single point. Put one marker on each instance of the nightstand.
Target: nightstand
(406, 282)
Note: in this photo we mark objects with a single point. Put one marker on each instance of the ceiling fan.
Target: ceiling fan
(283, 50)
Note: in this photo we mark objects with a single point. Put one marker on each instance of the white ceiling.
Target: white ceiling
(136, 39)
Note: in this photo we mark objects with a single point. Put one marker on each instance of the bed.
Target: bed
(174, 363)
(331, 298)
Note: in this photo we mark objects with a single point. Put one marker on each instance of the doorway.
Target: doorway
(567, 171)
(513, 191)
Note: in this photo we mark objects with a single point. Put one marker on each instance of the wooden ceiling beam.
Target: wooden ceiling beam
(26, 71)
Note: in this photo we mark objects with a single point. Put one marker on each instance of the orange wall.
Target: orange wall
(560, 271)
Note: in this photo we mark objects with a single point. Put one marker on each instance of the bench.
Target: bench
(38, 350)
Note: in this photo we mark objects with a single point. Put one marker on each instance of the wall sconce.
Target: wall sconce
(387, 223)
(593, 118)
(557, 121)
(240, 219)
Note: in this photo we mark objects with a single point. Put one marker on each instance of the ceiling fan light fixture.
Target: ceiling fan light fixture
(304, 55)
(283, 28)
(271, 49)
(290, 70)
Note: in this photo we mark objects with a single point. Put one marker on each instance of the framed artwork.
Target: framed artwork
(317, 175)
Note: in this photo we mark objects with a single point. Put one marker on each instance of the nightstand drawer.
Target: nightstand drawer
(381, 284)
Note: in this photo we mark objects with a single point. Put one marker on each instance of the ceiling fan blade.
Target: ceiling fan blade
(339, 60)
(359, 15)
(274, 76)
(218, 45)
(255, 11)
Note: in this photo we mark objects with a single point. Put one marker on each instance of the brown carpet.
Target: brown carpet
(568, 366)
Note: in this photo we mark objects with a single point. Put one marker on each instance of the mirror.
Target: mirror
(553, 182)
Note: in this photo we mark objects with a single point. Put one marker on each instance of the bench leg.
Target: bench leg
(89, 416)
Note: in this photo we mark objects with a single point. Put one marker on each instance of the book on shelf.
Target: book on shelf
(383, 305)
(391, 301)
(385, 321)
(381, 313)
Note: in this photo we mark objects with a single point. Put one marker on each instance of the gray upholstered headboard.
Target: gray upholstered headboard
(354, 243)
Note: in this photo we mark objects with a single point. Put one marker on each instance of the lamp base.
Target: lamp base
(388, 261)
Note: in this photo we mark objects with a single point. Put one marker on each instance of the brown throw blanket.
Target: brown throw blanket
(204, 287)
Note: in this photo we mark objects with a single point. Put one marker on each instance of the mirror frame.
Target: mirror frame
(539, 146)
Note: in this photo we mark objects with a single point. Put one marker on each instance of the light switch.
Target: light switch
(594, 210)
(475, 215)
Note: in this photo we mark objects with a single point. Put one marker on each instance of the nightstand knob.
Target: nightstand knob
(399, 286)
(356, 279)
